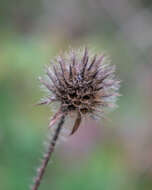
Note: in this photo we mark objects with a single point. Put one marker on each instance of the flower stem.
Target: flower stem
(47, 156)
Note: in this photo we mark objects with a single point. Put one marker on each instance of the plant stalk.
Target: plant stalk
(47, 156)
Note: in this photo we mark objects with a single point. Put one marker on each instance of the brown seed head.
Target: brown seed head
(81, 83)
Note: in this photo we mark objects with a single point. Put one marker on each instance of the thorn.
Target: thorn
(55, 118)
(76, 124)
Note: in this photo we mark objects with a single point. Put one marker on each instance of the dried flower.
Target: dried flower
(82, 83)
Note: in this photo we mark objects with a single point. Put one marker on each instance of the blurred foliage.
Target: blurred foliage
(119, 157)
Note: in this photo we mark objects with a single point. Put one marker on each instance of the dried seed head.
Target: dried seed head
(81, 83)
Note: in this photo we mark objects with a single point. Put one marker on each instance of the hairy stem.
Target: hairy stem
(47, 156)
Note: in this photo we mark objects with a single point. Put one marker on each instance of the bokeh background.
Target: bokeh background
(112, 154)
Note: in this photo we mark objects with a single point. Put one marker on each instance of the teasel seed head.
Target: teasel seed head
(81, 83)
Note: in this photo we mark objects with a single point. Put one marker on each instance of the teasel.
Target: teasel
(81, 83)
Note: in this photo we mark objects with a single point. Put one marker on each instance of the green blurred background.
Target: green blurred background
(104, 155)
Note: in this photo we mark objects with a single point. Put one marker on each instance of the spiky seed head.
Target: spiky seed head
(81, 83)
